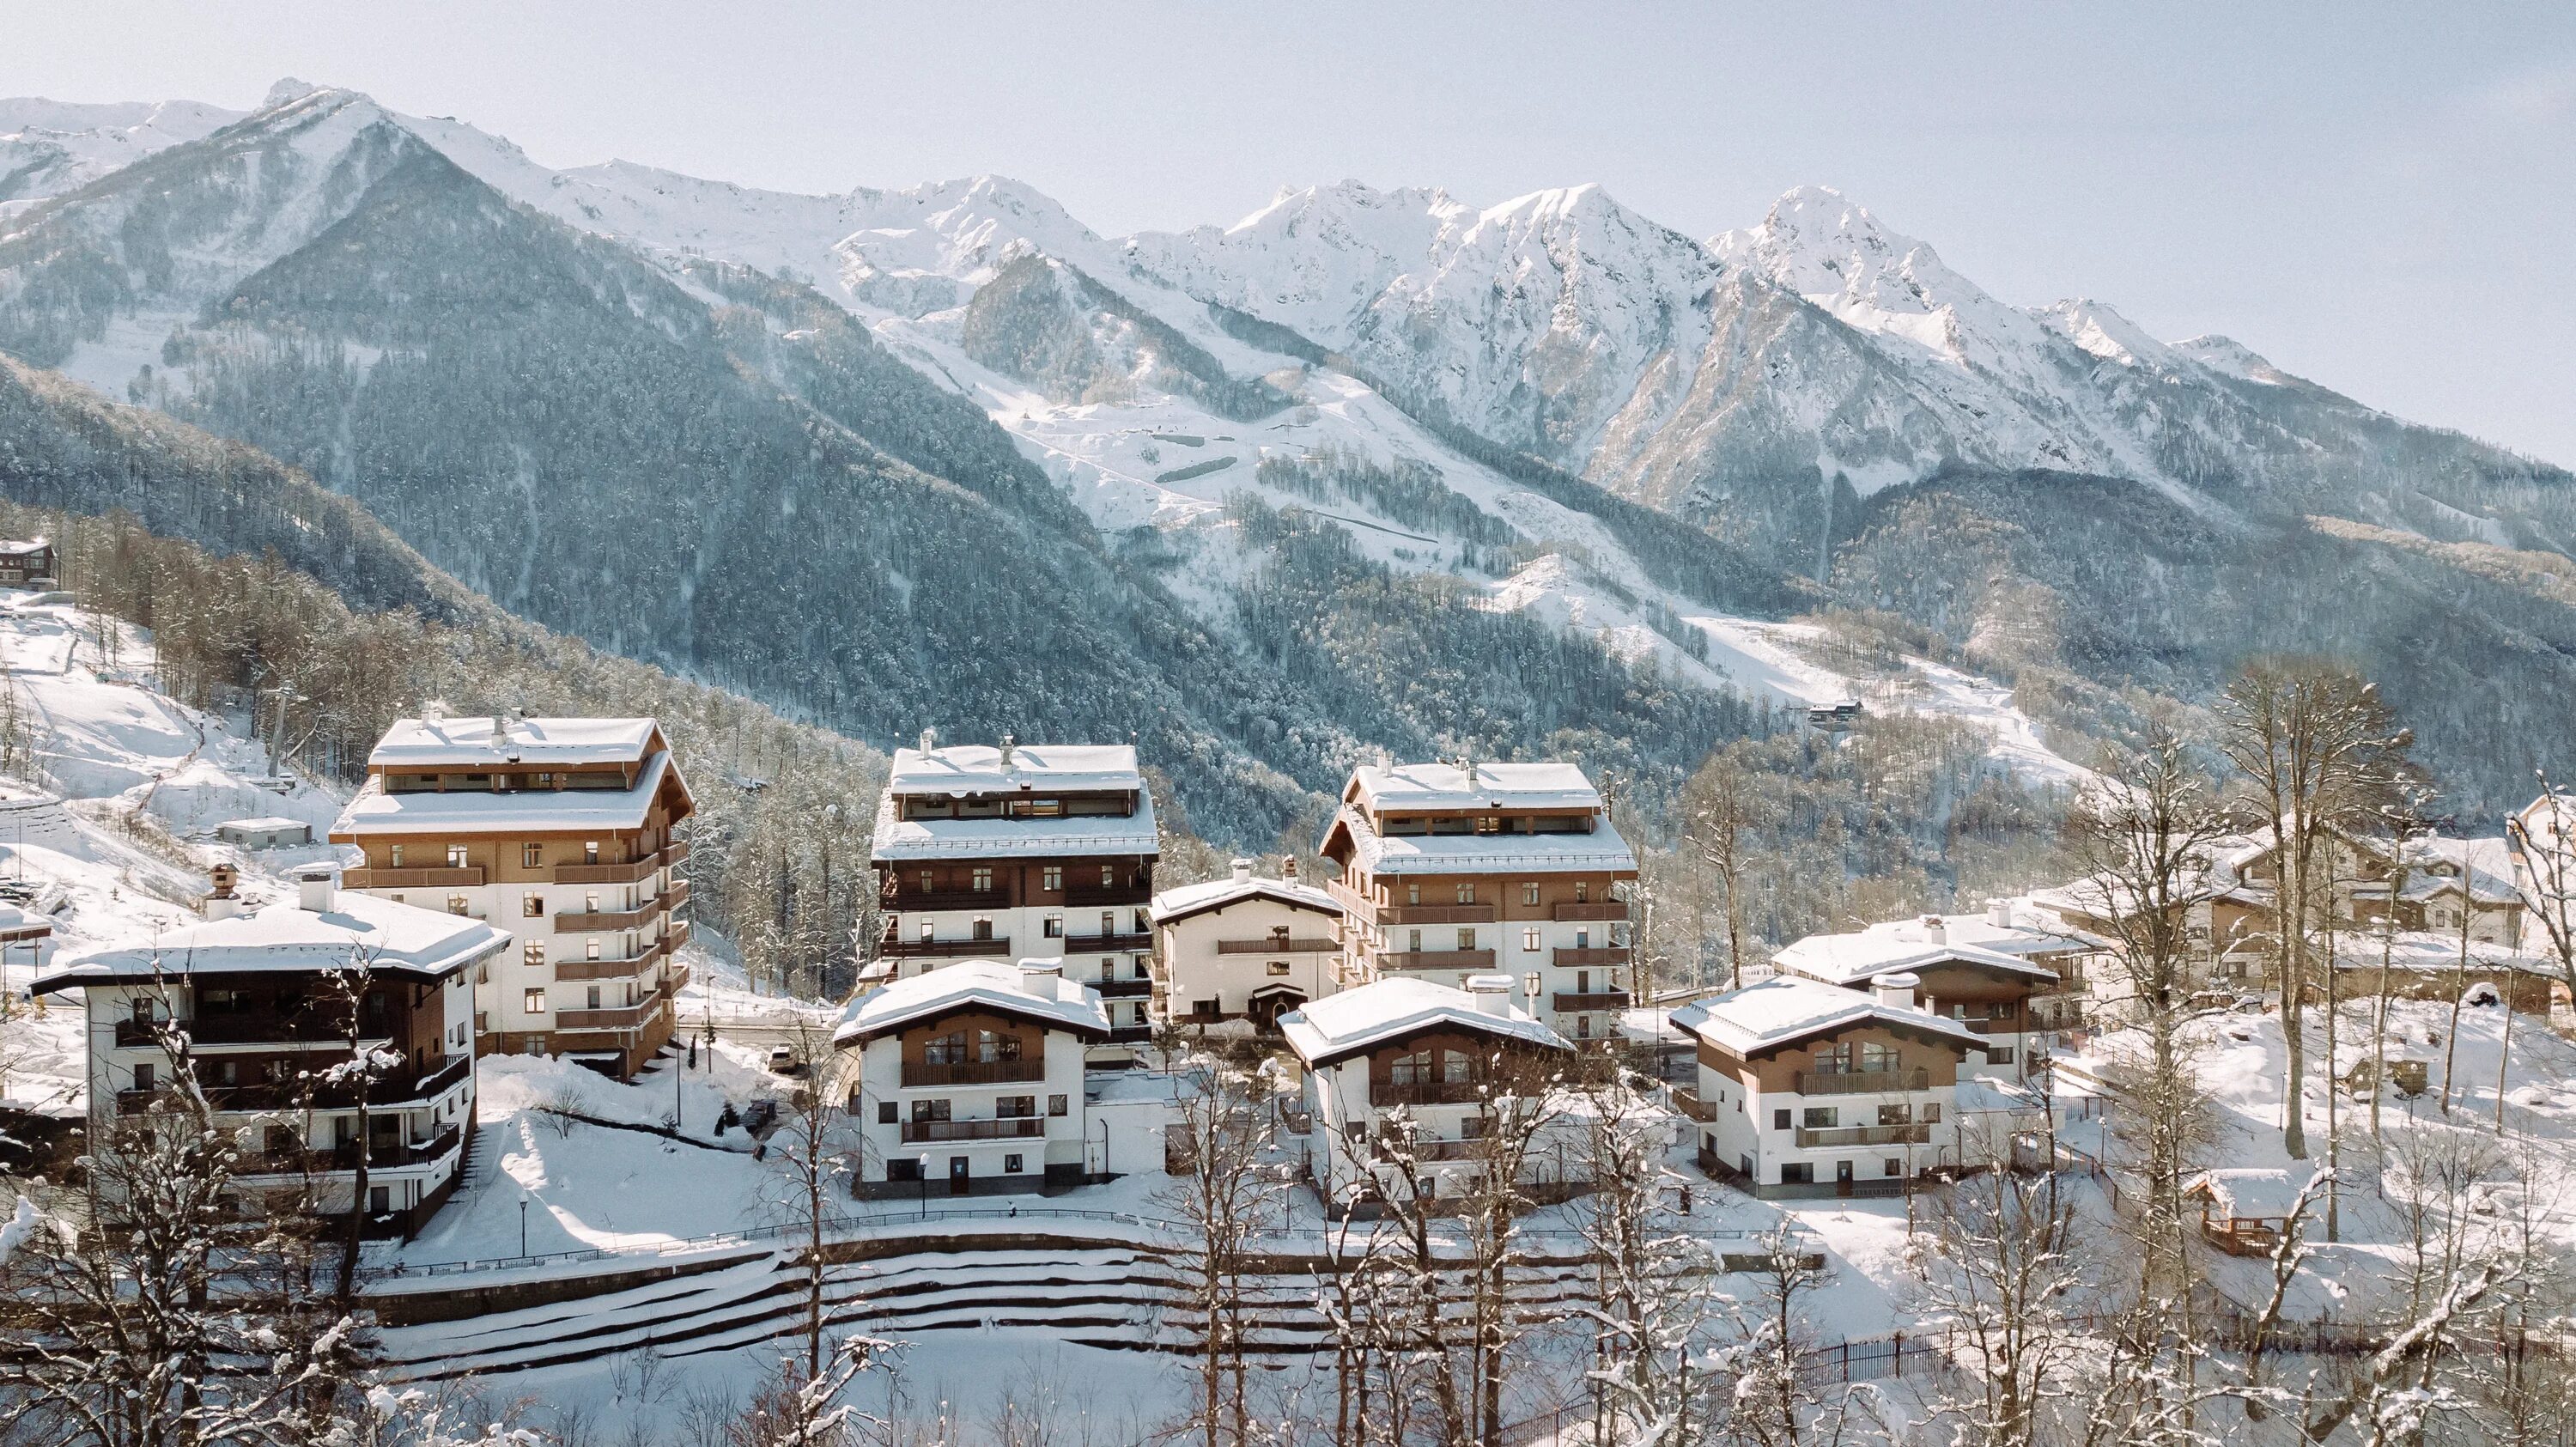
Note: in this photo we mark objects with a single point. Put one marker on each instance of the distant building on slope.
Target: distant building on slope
(265, 1021)
(27, 563)
(2009, 974)
(1244, 947)
(1451, 870)
(559, 830)
(1021, 851)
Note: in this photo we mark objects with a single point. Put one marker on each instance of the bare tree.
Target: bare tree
(796, 1407)
(2004, 1268)
(815, 1149)
(1721, 809)
(1227, 1125)
(1654, 1281)
(2320, 750)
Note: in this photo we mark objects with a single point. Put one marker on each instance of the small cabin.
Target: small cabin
(264, 833)
(25, 561)
(2245, 1211)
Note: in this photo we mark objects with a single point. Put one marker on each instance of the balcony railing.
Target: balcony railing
(677, 895)
(1436, 960)
(1593, 956)
(582, 921)
(1435, 914)
(1608, 909)
(624, 872)
(1111, 943)
(617, 969)
(910, 899)
(2011, 1026)
(1133, 892)
(1688, 1102)
(1121, 989)
(1428, 1092)
(1280, 945)
(471, 876)
(1015, 1128)
(1427, 1150)
(998, 947)
(1572, 1000)
(1866, 1135)
(1862, 1082)
(295, 1095)
(1130, 1034)
(432, 1085)
(972, 1072)
(384, 1154)
(620, 1018)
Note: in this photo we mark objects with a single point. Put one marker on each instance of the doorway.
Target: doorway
(1842, 1178)
(957, 1176)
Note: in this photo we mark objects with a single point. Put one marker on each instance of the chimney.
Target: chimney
(1492, 993)
(1934, 930)
(317, 887)
(1243, 871)
(929, 740)
(1999, 913)
(1467, 765)
(1006, 751)
(221, 902)
(500, 733)
(1041, 977)
(1896, 989)
(1288, 869)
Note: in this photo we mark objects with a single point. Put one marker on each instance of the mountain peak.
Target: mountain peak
(287, 91)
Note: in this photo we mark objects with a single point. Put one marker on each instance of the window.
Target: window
(1466, 894)
(143, 1075)
(1015, 1107)
(1880, 1057)
(1999, 1055)
(531, 855)
(1413, 894)
(1411, 1069)
(1582, 892)
(1275, 968)
(532, 1002)
(457, 904)
(1489, 824)
(1834, 1059)
(1466, 939)
(983, 879)
(983, 927)
(1780, 1118)
(397, 856)
(1108, 877)
(533, 956)
(590, 851)
(379, 1200)
(1413, 941)
(1582, 1027)
(1932, 1113)
(1010, 1165)
(926, 1111)
(885, 1112)
(1896, 1114)
(1053, 878)
(1056, 1105)
(590, 947)
(1892, 1166)
(456, 856)
(1583, 939)
(1820, 1117)
(590, 902)
(1529, 939)
(992, 1046)
(906, 1169)
(1797, 1173)
(532, 907)
(1529, 894)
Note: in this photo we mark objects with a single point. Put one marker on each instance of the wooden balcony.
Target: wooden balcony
(1862, 1082)
(1614, 956)
(1866, 1135)
(618, 969)
(382, 1155)
(1608, 909)
(1016, 1128)
(1426, 1150)
(571, 922)
(1280, 945)
(1108, 944)
(1436, 960)
(2012, 1026)
(917, 899)
(1121, 988)
(1574, 1001)
(1428, 1092)
(677, 895)
(917, 1075)
(1394, 914)
(626, 1017)
(470, 877)
(997, 947)
(627, 872)
(1133, 892)
(1688, 1102)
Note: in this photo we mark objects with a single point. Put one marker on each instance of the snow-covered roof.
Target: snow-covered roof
(2485, 863)
(414, 743)
(1073, 835)
(1967, 939)
(2252, 1192)
(978, 769)
(1786, 1009)
(2430, 951)
(1342, 1025)
(1601, 850)
(395, 938)
(528, 811)
(1444, 785)
(1189, 899)
(13, 547)
(263, 824)
(1036, 991)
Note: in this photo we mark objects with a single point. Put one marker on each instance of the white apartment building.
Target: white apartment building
(969, 1079)
(558, 830)
(1451, 870)
(254, 994)
(1244, 947)
(1021, 851)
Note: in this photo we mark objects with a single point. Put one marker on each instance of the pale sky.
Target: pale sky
(2380, 197)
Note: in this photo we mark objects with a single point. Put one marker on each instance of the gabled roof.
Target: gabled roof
(1600, 851)
(534, 742)
(470, 811)
(1383, 1012)
(1444, 785)
(395, 939)
(1180, 903)
(2252, 1192)
(1075, 835)
(1786, 1009)
(1041, 996)
(978, 769)
(1856, 955)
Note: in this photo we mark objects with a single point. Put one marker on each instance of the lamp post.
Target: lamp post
(523, 1223)
(925, 1185)
(1529, 987)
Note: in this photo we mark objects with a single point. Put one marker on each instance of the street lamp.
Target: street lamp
(523, 1223)
(925, 1185)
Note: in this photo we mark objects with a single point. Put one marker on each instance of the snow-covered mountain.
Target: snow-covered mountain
(50, 147)
(1562, 408)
